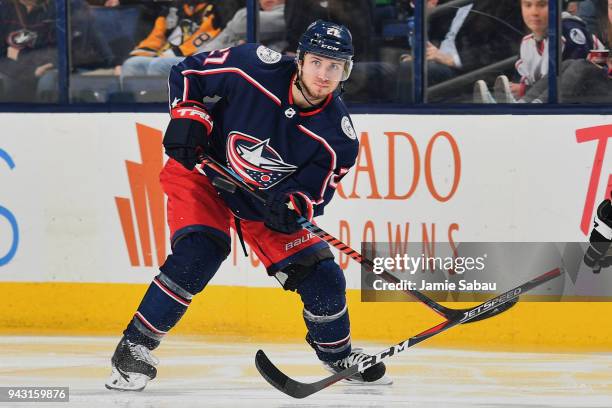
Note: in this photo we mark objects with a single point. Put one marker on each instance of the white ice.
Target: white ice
(214, 372)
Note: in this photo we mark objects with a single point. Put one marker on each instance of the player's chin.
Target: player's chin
(322, 90)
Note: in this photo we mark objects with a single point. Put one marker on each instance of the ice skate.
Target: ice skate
(133, 367)
(374, 375)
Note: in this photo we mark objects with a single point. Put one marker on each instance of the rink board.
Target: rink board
(273, 315)
(82, 224)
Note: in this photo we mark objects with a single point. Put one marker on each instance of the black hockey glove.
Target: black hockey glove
(280, 218)
(597, 256)
(187, 135)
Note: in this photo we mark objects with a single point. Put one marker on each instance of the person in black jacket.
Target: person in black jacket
(27, 46)
(462, 38)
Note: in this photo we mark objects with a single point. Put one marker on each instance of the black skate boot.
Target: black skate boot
(133, 367)
(374, 375)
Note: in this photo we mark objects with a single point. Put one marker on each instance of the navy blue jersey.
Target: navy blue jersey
(258, 130)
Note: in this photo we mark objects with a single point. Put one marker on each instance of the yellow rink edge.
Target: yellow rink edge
(274, 314)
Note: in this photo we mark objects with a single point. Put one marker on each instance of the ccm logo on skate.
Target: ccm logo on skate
(299, 241)
(492, 303)
(5, 213)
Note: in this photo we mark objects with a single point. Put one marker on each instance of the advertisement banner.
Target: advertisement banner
(80, 199)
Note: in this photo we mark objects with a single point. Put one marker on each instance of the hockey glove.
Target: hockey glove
(187, 135)
(601, 238)
(280, 218)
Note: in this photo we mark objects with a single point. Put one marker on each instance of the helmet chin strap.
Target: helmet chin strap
(299, 87)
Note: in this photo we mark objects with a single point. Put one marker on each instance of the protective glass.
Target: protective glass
(327, 68)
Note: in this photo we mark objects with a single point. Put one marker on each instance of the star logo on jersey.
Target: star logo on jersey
(175, 102)
(255, 161)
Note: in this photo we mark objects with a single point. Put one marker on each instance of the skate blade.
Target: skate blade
(120, 381)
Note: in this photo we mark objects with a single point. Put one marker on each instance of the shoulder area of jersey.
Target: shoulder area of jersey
(338, 116)
(341, 125)
(335, 125)
(346, 126)
(261, 54)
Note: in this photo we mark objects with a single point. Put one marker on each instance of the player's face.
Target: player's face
(321, 75)
(535, 16)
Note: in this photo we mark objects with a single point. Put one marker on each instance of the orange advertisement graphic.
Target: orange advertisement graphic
(147, 201)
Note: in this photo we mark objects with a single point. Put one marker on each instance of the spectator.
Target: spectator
(572, 8)
(27, 47)
(272, 32)
(271, 28)
(463, 39)
(179, 31)
(594, 14)
(89, 50)
(532, 66)
(587, 11)
(443, 59)
(590, 80)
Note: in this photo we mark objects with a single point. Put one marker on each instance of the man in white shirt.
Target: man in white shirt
(443, 62)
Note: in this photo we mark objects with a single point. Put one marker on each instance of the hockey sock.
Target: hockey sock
(325, 311)
(194, 261)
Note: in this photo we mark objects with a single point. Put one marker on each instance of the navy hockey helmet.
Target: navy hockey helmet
(328, 40)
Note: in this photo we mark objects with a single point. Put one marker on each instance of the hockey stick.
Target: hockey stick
(297, 389)
(230, 181)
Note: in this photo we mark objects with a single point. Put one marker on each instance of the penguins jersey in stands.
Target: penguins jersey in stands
(577, 42)
(259, 131)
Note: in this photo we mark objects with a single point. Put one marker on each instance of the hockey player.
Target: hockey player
(281, 125)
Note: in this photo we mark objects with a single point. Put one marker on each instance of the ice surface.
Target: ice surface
(211, 372)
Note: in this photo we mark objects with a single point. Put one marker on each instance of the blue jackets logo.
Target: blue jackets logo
(256, 162)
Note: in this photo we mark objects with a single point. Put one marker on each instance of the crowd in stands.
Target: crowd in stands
(476, 51)
(578, 48)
